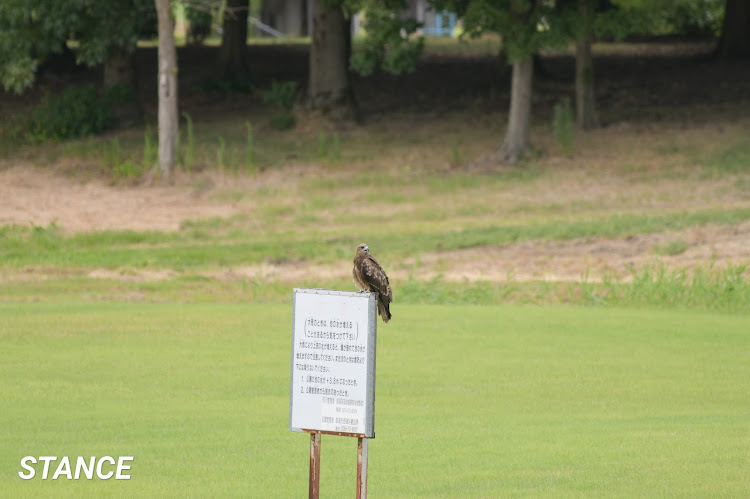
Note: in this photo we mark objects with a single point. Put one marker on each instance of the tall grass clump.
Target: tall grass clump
(322, 146)
(119, 168)
(672, 248)
(249, 149)
(114, 157)
(455, 154)
(563, 124)
(335, 149)
(150, 152)
(705, 288)
(221, 154)
(188, 157)
(329, 148)
(21, 238)
(281, 95)
(234, 162)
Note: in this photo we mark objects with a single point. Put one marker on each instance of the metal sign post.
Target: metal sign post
(314, 466)
(362, 467)
(332, 385)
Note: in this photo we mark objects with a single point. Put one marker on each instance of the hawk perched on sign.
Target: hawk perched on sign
(370, 276)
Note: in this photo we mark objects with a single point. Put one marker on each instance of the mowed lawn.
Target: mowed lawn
(472, 401)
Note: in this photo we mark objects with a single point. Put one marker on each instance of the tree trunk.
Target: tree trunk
(233, 52)
(735, 33)
(329, 89)
(294, 18)
(119, 71)
(586, 116)
(167, 84)
(517, 136)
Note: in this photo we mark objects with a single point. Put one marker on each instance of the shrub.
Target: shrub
(281, 94)
(77, 111)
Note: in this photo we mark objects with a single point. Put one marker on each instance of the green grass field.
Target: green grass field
(472, 401)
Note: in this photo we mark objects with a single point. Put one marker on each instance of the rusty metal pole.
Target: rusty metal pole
(362, 468)
(314, 466)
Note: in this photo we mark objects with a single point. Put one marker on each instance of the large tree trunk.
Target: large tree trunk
(119, 71)
(586, 116)
(329, 88)
(233, 52)
(517, 136)
(735, 33)
(167, 84)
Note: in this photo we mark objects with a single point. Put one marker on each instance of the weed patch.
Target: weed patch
(672, 248)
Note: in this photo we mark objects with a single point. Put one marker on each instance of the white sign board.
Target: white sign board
(333, 362)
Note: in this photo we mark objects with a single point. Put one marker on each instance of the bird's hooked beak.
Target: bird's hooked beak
(366, 249)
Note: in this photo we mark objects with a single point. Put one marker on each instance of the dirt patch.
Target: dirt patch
(139, 275)
(33, 196)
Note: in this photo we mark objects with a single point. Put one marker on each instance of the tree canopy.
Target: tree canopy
(525, 25)
(31, 30)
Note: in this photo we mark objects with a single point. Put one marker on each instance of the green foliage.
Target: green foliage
(329, 150)
(127, 170)
(281, 95)
(120, 169)
(685, 17)
(389, 43)
(77, 111)
(18, 73)
(526, 26)
(563, 124)
(199, 18)
(31, 30)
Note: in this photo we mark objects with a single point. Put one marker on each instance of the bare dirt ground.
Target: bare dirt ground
(34, 196)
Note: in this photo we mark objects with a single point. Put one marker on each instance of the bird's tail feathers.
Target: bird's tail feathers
(384, 311)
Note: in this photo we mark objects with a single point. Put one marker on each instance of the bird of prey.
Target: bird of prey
(370, 276)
